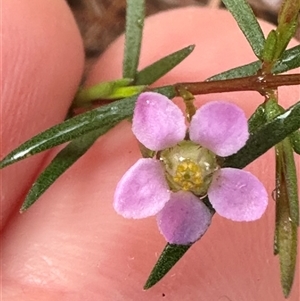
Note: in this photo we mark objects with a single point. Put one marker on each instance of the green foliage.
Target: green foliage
(103, 117)
(106, 116)
(107, 90)
(258, 119)
(62, 161)
(244, 16)
(287, 24)
(278, 39)
(295, 140)
(285, 241)
(135, 14)
(266, 137)
(66, 157)
(168, 258)
(289, 60)
(270, 47)
(158, 69)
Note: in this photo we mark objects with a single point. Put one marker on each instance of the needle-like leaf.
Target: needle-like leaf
(135, 14)
(286, 209)
(168, 258)
(152, 73)
(244, 16)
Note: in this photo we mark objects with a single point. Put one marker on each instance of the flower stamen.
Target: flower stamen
(188, 175)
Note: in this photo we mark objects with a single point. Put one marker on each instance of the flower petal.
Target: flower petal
(184, 219)
(143, 190)
(238, 195)
(221, 127)
(157, 122)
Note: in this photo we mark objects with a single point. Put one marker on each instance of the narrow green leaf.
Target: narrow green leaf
(266, 137)
(273, 110)
(62, 161)
(102, 117)
(155, 71)
(257, 119)
(286, 229)
(295, 140)
(289, 60)
(287, 24)
(270, 47)
(135, 14)
(105, 116)
(289, 169)
(244, 16)
(288, 12)
(242, 71)
(100, 91)
(284, 36)
(169, 257)
(124, 92)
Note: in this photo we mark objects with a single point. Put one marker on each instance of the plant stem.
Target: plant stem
(259, 83)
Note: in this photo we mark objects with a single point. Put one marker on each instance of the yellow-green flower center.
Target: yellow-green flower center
(188, 175)
(189, 167)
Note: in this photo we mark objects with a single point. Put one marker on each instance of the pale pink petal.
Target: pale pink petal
(143, 190)
(184, 219)
(221, 127)
(237, 195)
(157, 122)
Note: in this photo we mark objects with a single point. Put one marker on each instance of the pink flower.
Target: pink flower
(184, 171)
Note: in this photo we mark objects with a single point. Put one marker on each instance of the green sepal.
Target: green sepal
(273, 109)
(295, 141)
(62, 161)
(266, 137)
(155, 71)
(257, 119)
(105, 116)
(270, 47)
(244, 16)
(285, 240)
(168, 258)
(135, 14)
(146, 152)
(289, 60)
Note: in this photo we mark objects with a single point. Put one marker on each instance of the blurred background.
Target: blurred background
(101, 21)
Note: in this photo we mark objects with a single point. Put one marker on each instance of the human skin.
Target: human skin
(71, 244)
